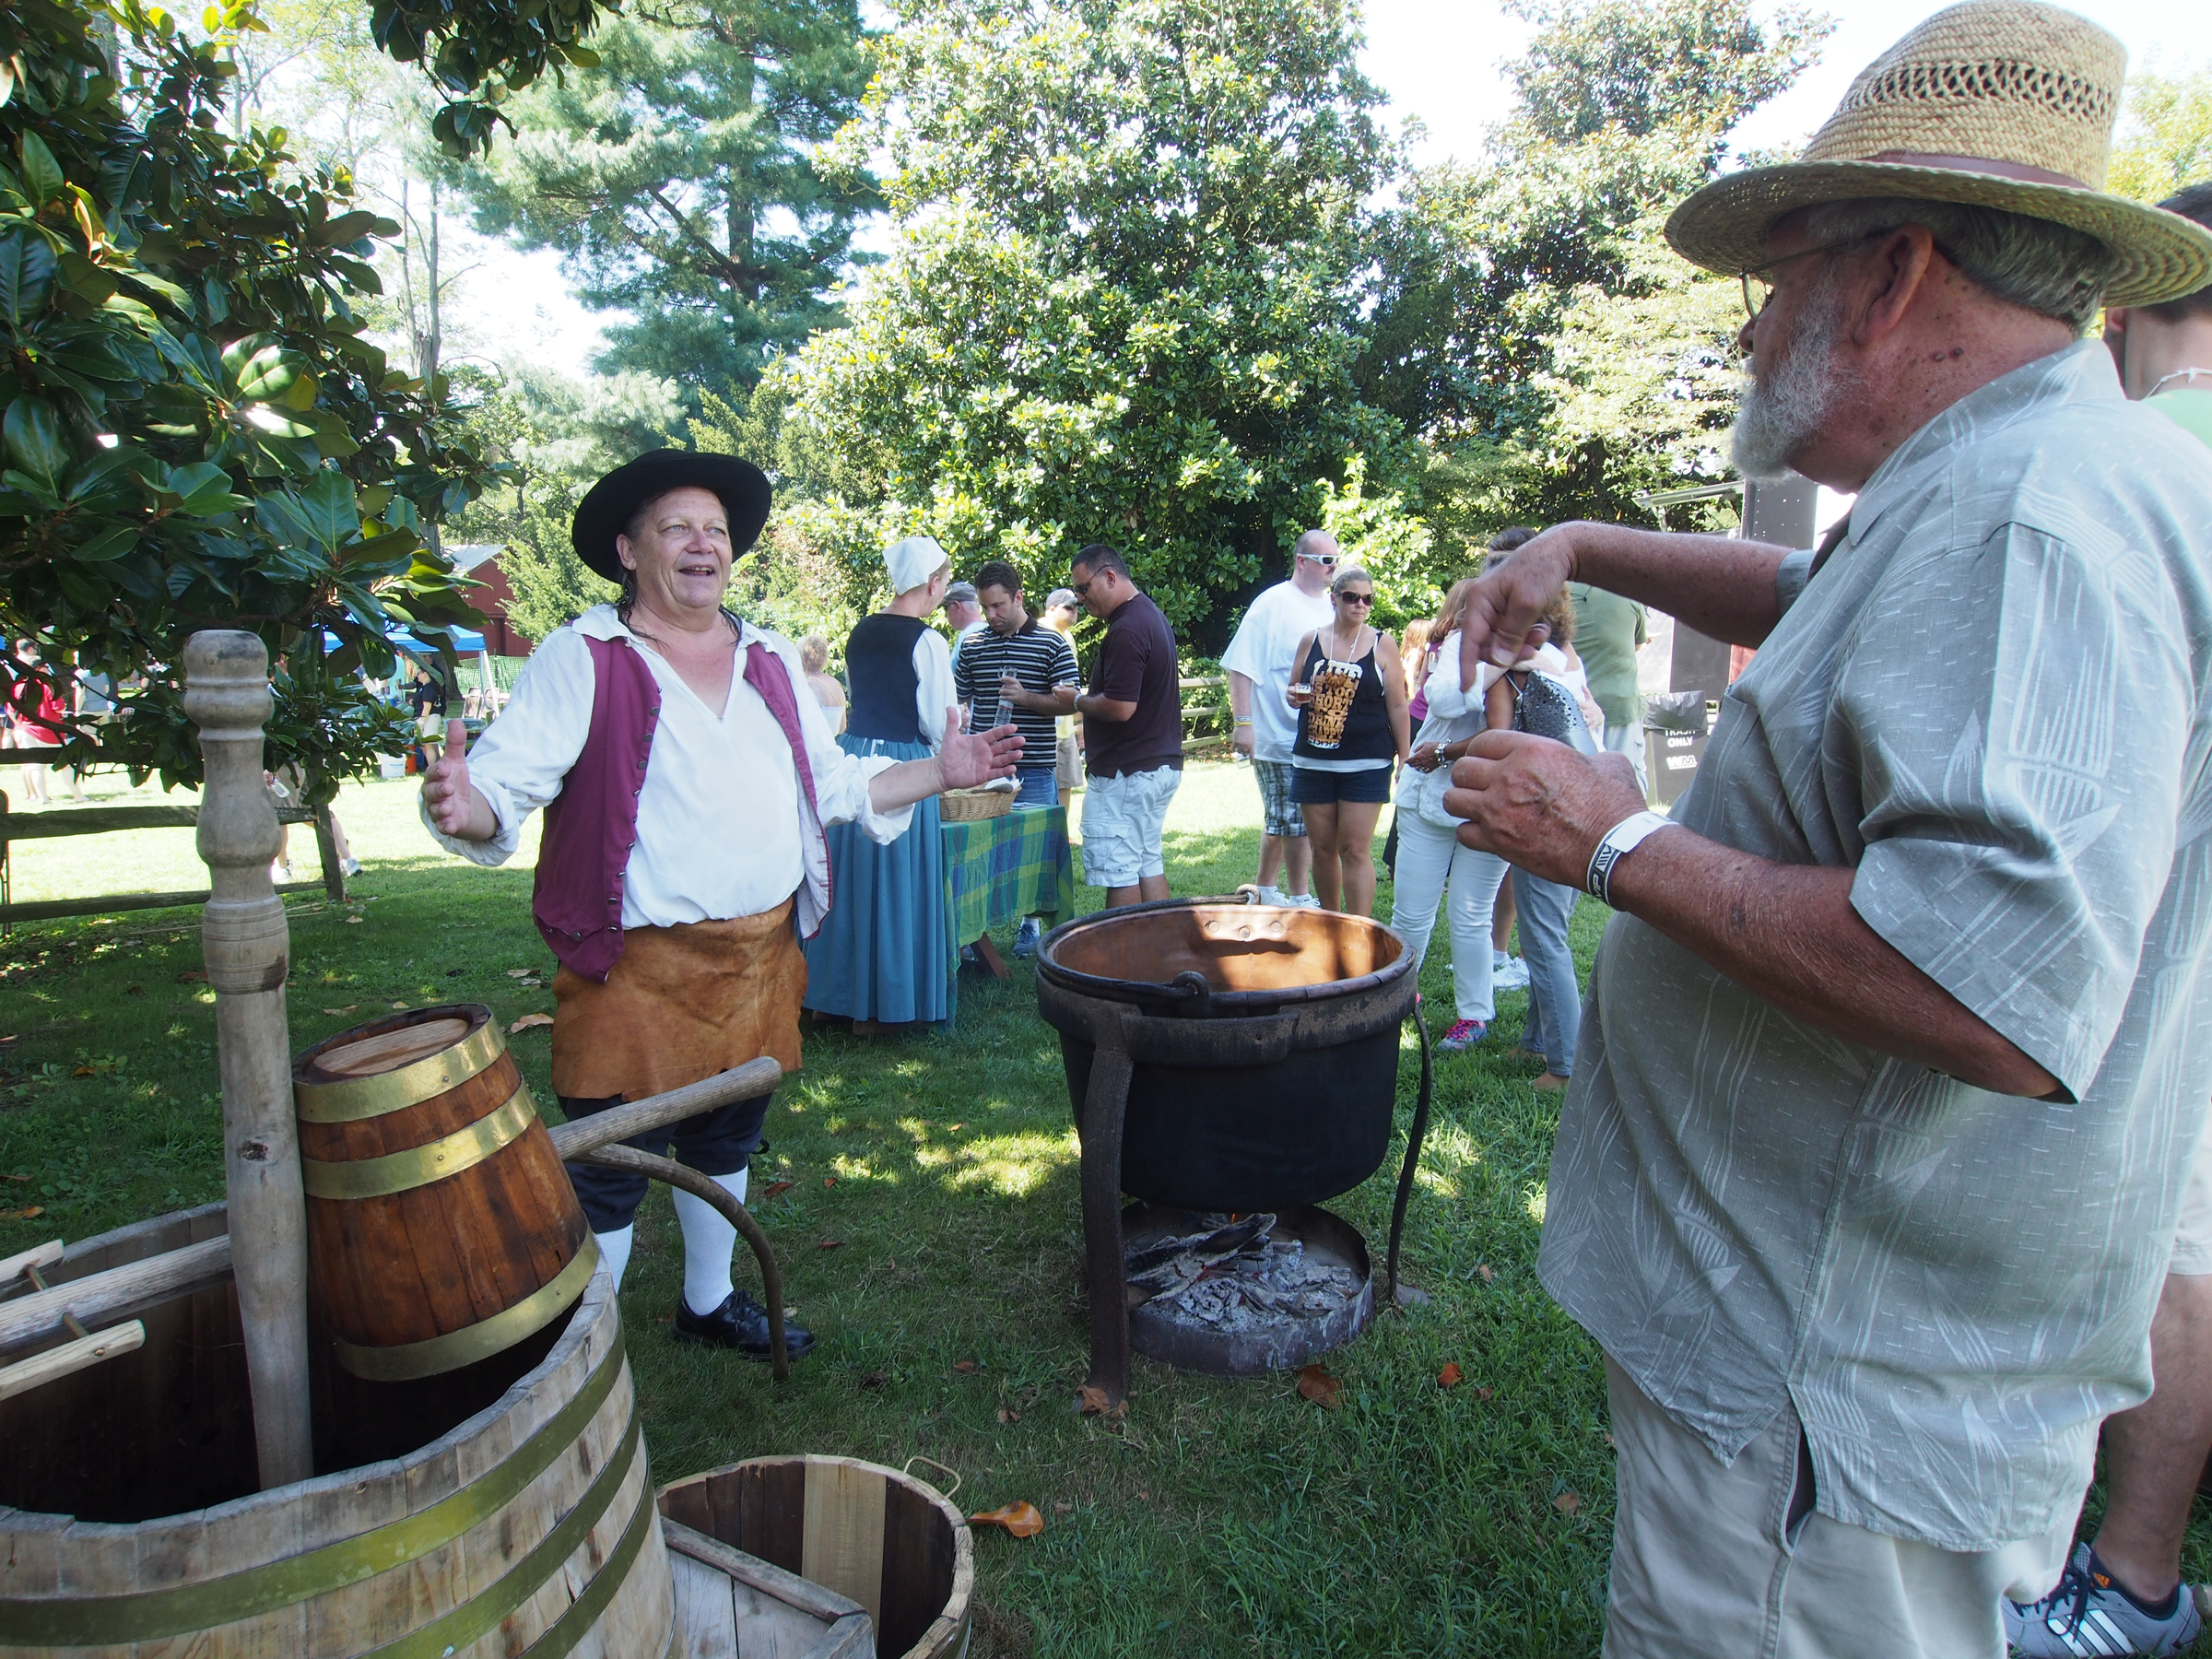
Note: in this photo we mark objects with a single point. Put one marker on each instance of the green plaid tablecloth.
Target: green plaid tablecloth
(999, 870)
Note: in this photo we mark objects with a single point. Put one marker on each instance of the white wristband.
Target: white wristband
(1617, 844)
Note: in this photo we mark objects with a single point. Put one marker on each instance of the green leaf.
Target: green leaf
(301, 395)
(25, 274)
(37, 445)
(346, 227)
(268, 374)
(42, 173)
(109, 544)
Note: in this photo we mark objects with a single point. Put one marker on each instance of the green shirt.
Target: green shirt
(2189, 408)
(1607, 629)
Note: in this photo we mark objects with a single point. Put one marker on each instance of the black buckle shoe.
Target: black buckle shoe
(741, 1323)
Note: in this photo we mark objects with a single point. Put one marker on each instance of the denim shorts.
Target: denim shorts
(1125, 819)
(1369, 785)
(1037, 786)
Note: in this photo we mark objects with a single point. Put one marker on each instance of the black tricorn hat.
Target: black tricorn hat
(744, 490)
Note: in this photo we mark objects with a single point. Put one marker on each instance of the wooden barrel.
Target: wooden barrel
(441, 1226)
(872, 1535)
(529, 1529)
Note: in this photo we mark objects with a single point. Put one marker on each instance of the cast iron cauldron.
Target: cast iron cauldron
(1224, 1055)
(1265, 1056)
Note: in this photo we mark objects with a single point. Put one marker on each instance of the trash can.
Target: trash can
(1674, 743)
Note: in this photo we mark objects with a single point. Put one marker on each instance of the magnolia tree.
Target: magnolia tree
(197, 432)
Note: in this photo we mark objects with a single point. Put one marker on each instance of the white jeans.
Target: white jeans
(1429, 859)
(1629, 740)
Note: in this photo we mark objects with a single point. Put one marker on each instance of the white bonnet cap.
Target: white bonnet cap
(912, 561)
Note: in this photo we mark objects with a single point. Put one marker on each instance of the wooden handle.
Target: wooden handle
(746, 1082)
(70, 1359)
(97, 1296)
(41, 1255)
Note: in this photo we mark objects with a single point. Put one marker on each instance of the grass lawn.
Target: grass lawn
(933, 1220)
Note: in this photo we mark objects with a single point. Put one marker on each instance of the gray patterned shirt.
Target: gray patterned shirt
(1995, 704)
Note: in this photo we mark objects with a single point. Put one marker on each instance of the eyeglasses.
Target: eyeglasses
(1356, 598)
(1759, 293)
(1082, 589)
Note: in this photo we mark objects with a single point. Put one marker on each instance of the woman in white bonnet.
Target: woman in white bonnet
(880, 958)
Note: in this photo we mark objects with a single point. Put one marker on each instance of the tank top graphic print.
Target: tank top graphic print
(1335, 685)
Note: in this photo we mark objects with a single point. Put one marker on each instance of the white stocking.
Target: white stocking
(708, 1241)
(614, 1250)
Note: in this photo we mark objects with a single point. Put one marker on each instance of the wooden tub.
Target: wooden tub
(527, 1527)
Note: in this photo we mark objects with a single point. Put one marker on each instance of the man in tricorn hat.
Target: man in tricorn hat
(686, 774)
(1894, 1055)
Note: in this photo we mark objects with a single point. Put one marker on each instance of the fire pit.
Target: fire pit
(1243, 1295)
(1227, 1057)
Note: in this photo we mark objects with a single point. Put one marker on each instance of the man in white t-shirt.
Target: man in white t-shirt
(1258, 661)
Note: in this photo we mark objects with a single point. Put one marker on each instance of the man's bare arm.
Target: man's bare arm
(1721, 588)
(1788, 935)
(1786, 932)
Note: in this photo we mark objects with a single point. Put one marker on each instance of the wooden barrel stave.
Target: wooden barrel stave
(509, 1600)
(458, 1243)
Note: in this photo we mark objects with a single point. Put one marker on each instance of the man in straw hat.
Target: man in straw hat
(687, 775)
(1891, 1070)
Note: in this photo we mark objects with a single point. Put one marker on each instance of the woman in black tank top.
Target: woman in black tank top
(1350, 690)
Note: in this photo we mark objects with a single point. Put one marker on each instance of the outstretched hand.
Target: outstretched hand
(450, 799)
(1499, 624)
(971, 757)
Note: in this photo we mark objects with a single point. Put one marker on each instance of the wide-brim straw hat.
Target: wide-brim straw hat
(1995, 103)
(743, 487)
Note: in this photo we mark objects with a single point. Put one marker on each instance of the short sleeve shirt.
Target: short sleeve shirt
(1994, 704)
(1261, 651)
(1135, 663)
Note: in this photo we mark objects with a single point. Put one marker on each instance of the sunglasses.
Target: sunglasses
(1324, 559)
(1355, 598)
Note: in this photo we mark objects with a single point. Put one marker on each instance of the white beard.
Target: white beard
(1780, 410)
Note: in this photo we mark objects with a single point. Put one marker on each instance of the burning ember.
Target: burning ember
(1234, 1275)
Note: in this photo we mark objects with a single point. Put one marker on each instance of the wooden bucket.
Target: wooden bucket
(529, 1528)
(441, 1226)
(869, 1534)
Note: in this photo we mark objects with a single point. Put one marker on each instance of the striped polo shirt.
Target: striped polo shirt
(1036, 656)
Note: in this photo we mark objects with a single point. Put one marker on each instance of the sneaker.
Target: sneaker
(1273, 896)
(352, 867)
(2089, 1614)
(1026, 936)
(1509, 975)
(1301, 902)
(1464, 1034)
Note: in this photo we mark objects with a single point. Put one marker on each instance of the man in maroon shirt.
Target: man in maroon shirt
(1132, 731)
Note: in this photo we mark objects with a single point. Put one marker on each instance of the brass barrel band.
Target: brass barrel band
(419, 1166)
(480, 1614)
(352, 1099)
(406, 1360)
(152, 1614)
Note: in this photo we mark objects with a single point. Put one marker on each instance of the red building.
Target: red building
(481, 560)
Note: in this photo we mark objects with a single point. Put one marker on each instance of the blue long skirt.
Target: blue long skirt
(882, 952)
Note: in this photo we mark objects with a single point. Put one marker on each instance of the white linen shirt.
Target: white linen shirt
(720, 830)
(1261, 652)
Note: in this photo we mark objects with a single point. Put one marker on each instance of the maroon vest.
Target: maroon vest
(591, 826)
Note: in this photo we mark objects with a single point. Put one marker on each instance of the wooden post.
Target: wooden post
(248, 952)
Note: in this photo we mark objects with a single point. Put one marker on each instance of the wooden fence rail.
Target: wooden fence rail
(106, 820)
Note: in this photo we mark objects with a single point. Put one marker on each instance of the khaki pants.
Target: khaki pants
(1729, 1563)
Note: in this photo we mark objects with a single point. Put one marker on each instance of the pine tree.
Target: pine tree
(677, 176)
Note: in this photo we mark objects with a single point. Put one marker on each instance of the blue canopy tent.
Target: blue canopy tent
(464, 641)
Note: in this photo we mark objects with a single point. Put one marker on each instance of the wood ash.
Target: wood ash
(1235, 1276)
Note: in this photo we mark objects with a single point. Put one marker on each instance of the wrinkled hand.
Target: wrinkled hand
(1499, 624)
(971, 757)
(1240, 739)
(1540, 804)
(452, 799)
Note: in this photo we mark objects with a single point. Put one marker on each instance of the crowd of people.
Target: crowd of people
(1881, 1178)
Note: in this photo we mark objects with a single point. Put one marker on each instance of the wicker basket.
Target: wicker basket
(972, 806)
